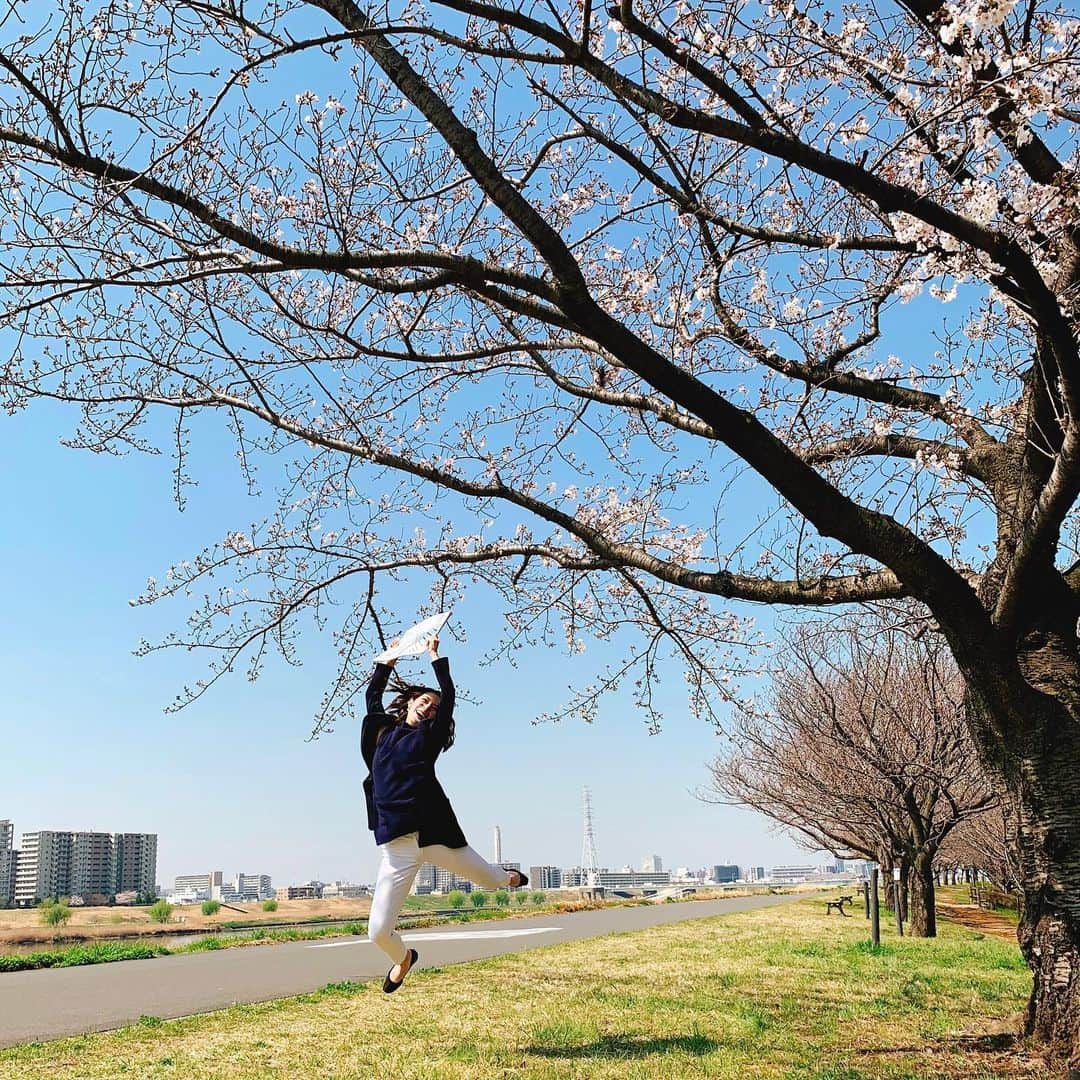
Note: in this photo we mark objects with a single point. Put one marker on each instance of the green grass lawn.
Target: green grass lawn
(782, 994)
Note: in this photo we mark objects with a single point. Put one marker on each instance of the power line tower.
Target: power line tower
(590, 861)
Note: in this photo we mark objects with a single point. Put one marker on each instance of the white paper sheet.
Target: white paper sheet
(414, 641)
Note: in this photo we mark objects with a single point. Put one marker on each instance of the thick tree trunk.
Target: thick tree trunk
(921, 896)
(1040, 775)
(1048, 833)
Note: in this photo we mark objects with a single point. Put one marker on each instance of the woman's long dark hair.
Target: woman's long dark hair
(404, 693)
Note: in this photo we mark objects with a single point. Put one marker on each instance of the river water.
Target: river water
(173, 941)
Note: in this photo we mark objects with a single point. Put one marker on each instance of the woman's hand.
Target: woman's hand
(433, 647)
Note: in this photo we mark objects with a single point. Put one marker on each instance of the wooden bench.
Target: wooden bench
(838, 905)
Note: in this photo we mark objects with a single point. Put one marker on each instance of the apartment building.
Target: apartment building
(299, 892)
(44, 867)
(134, 862)
(58, 864)
(545, 877)
(92, 872)
(9, 861)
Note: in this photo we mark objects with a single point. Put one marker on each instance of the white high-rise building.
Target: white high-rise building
(249, 887)
(198, 886)
(498, 846)
(652, 864)
(44, 868)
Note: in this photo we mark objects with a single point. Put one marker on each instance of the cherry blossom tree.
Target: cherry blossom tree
(982, 841)
(861, 747)
(552, 298)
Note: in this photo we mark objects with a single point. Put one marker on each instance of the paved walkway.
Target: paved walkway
(48, 1004)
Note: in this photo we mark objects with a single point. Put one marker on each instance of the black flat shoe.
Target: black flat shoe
(524, 877)
(389, 986)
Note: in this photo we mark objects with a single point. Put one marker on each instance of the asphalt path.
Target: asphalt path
(54, 1002)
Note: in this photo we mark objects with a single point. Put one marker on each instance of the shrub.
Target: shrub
(502, 898)
(521, 897)
(53, 914)
(211, 907)
(456, 899)
(479, 899)
(269, 905)
(538, 898)
(161, 911)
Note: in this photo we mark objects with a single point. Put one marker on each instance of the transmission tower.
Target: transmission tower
(590, 862)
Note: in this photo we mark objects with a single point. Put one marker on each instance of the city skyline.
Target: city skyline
(165, 878)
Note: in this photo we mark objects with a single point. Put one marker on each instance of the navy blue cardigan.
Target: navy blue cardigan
(401, 790)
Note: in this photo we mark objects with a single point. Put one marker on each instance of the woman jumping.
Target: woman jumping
(407, 808)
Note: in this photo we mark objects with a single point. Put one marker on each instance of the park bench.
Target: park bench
(838, 905)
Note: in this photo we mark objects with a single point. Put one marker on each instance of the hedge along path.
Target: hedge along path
(781, 994)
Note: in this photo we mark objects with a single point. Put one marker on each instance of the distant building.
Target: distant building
(424, 882)
(135, 862)
(574, 878)
(311, 891)
(792, 875)
(85, 865)
(93, 873)
(497, 846)
(243, 888)
(248, 888)
(194, 888)
(9, 863)
(545, 877)
(724, 874)
(344, 890)
(44, 868)
(652, 864)
(9, 869)
(434, 879)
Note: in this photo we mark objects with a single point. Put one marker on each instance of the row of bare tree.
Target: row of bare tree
(862, 747)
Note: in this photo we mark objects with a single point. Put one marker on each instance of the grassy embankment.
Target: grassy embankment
(780, 994)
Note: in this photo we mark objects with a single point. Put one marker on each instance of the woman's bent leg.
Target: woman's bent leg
(397, 870)
(468, 864)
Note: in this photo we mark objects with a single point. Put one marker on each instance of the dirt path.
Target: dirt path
(991, 923)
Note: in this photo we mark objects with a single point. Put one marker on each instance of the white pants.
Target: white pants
(401, 859)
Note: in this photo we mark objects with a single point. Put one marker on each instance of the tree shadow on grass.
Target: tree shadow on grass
(628, 1046)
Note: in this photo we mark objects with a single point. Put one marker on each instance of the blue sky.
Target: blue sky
(231, 782)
